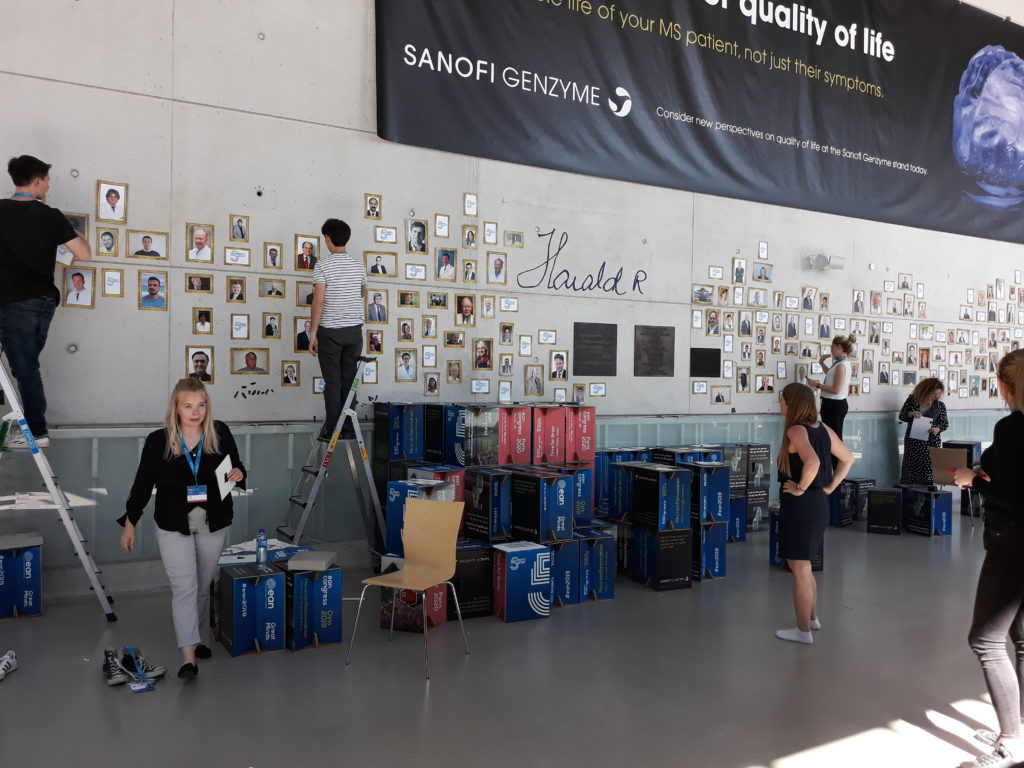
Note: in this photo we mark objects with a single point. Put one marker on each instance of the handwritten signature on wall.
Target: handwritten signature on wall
(548, 275)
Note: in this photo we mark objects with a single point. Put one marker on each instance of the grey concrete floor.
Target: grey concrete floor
(687, 678)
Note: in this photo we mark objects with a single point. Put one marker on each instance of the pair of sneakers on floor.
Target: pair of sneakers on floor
(131, 665)
(8, 663)
(1005, 754)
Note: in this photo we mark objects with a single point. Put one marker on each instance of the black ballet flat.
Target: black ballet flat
(202, 652)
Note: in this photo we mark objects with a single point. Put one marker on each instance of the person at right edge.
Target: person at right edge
(30, 233)
(339, 290)
(807, 477)
(999, 602)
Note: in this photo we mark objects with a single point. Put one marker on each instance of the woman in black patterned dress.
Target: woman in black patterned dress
(925, 401)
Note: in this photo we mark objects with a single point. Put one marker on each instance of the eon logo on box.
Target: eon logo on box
(392, 494)
(271, 586)
(515, 562)
(560, 485)
(27, 568)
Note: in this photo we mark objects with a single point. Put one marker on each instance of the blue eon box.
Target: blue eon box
(565, 572)
(21, 574)
(398, 431)
(394, 514)
(522, 581)
(270, 611)
(738, 519)
(709, 548)
(679, 454)
(710, 503)
(488, 495)
(541, 506)
(662, 560)
(582, 474)
(928, 513)
(312, 607)
(620, 492)
(237, 600)
(661, 497)
(597, 564)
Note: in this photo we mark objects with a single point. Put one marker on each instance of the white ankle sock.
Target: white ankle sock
(815, 624)
(795, 635)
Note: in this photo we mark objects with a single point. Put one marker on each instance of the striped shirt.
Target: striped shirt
(344, 276)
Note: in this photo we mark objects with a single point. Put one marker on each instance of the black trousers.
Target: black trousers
(833, 413)
(339, 350)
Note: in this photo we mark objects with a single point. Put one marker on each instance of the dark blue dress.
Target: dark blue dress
(804, 518)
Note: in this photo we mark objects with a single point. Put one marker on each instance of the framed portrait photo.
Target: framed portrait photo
(465, 309)
(272, 288)
(146, 244)
(381, 263)
(250, 360)
(560, 394)
(238, 228)
(409, 299)
(763, 273)
(431, 384)
(302, 331)
(415, 271)
(79, 222)
(505, 364)
(272, 256)
(202, 320)
(373, 205)
(80, 287)
(513, 239)
(239, 327)
(445, 264)
(374, 342)
(199, 242)
(199, 363)
(291, 373)
(429, 326)
(271, 325)
(416, 236)
(509, 304)
(490, 233)
(303, 294)
(469, 235)
(469, 204)
(307, 251)
(468, 271)
(235, 285)
(721, 395)
(405, 365)
(453, 369)
(505, 334)
(483, 354)
(487, 307)
(455, 339)
(111, 202)
(113, 283)
(442, 225)
(152, 290)
(437, 300)
(107, 241)
(388, 235)
(237, 257)
(405, 329)
(702, 293)
(558, 365)
(497, 268)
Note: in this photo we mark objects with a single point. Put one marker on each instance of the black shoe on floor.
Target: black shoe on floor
(203, 652)
(188, 672)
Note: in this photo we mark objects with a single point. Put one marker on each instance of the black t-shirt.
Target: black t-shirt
(29, 235)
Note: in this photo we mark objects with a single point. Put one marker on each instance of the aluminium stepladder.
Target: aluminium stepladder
(57, 500)
(303, 500)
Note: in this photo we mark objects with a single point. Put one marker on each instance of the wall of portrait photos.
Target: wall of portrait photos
(204, 212)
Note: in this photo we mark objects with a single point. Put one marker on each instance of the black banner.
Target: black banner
(904, 112)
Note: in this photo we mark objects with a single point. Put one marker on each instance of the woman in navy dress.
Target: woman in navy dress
(807, 477)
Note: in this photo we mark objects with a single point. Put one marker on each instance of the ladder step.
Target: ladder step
(312, 469)
(286, 532)
(298, 501)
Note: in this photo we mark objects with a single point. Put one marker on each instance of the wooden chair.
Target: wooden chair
(429, 534)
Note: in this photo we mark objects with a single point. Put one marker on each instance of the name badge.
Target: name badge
(195, 494)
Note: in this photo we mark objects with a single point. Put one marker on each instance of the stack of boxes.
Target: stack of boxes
(735, 455)
(661, 536)
(759, 478)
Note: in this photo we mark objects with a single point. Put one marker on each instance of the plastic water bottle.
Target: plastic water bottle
(261, 549)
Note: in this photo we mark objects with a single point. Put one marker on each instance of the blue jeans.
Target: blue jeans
(23, 329)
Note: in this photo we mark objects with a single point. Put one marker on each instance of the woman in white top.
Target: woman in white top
(836, 385)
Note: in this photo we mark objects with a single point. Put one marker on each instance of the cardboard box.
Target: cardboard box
(394, 502)
(398, 431)
(469, 435)
(541, 506)
(775, 558)
(515, 445)
(710, 499)
(661, 496)
(238, 612)
(21, 575)
(839, 514)
(625, 549)
(597, 564)
(853, 495)
(971, 447)
(738, 519)
(735, 455)
(522, 581)
(928, 513)
(757, 510)
(680, 454)
(312, 606)
(474, 564)
(759, 466)
(620, 499)
(709, 551)
(270, 601)
(565, 572)
(662, 560)
(488, 496)
(434, 432)
(885, 509)
(548, 434)
(580, 432)
(445, 472)
(582, 475)
(409, 609)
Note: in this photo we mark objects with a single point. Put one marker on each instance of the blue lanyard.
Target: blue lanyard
(193, 465)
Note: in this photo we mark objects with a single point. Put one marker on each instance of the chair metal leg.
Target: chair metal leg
(394, 602)
(458, 612)
(426, 649)
(970, 504)
(355, 625)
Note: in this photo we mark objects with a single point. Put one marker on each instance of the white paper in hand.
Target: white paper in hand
(223, 484)
(919, 428)
(64, 255)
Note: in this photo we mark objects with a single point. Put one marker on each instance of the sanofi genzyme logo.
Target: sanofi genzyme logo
(623, 109)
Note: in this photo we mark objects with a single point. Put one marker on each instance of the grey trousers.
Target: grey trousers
(191, 564)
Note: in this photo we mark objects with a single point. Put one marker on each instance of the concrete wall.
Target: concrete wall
(198, 106)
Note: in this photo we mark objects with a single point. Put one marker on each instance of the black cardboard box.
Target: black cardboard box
(885, 510)
(757, 510)
(473, 580)
(662, 560)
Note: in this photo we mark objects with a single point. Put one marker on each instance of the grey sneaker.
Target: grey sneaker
(997, 758)
(16, 441)
(988, 738)
(133, 662)
(112, 671)
(8, 663)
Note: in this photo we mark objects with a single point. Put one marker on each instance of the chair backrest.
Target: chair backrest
(431, 529)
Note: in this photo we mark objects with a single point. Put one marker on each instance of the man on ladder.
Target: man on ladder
(339, 294)
(30, 234)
